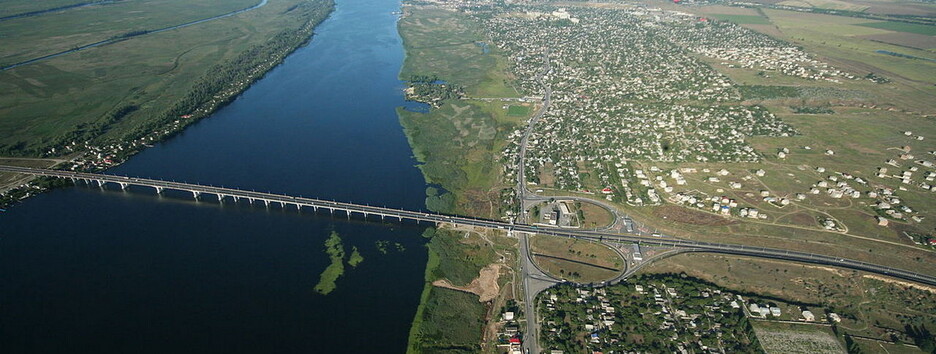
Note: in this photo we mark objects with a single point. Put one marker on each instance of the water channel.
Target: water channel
(85, 270)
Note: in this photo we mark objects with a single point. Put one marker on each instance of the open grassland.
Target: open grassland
(847, 44)
(594, 216)
(837, 39)
(796, 338)
(458, 143)
(826, 4)
(444, 43)
(518, 110)
(742, 19)
(900, 253)
(902, 27)
(55, 32)
(862, 140)
(576, 260)
(66, 96)
(450, 320)
(870, 306)
(15, 7)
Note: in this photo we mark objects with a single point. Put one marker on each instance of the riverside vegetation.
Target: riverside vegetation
(102, 105)
(143, 89)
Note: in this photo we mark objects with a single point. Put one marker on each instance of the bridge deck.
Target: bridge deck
(401, 214)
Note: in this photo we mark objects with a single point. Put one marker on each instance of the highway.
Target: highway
(533, 279)
(366, 210)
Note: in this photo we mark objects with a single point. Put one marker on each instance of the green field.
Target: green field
(579, 261)
(460, 142)
(518, 111)
(77, 97)
(743, 19)
(902, 27)
(450, 320)
(15, 7)
(443, 43)
(64, 30)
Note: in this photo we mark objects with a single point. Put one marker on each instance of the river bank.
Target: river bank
(115, 271)
(458, 144)
(218, 87)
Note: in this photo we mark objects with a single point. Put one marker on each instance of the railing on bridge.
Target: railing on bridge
(401, 214)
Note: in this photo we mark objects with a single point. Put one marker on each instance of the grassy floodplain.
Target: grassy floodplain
(459, 142)
(903, 27)
(126, 90)
(458, 145)
(448, 320)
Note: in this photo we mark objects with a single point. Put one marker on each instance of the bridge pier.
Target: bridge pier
(100, 183)
(220, 198)
(195, 194)
(159, 190)
(266, 203)
(124, 185)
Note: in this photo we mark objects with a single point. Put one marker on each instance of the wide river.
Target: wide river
(85, 270)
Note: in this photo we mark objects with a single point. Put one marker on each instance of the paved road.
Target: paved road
(534, 281)
(367, 210)
(301, 202)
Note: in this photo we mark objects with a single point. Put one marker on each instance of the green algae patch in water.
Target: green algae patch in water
(330, 275)
(355, 258)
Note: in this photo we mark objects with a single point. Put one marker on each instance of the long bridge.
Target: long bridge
(287, 201)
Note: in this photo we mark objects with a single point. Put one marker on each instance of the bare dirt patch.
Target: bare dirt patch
(692, 217)
(485, 285)
(901, 283)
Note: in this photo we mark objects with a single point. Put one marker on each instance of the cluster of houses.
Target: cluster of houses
(618, 94)
(654, 316)
(510, 338)
(741, 47)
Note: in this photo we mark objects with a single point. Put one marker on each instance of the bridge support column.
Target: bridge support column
(221, 198)
(266, 203)
(124, 185)
(159, 190)
(195, 194)
(100, 183)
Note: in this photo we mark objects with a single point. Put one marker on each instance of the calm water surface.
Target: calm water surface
(83, 270)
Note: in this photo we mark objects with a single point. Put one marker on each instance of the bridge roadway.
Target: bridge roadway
(366, 210)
